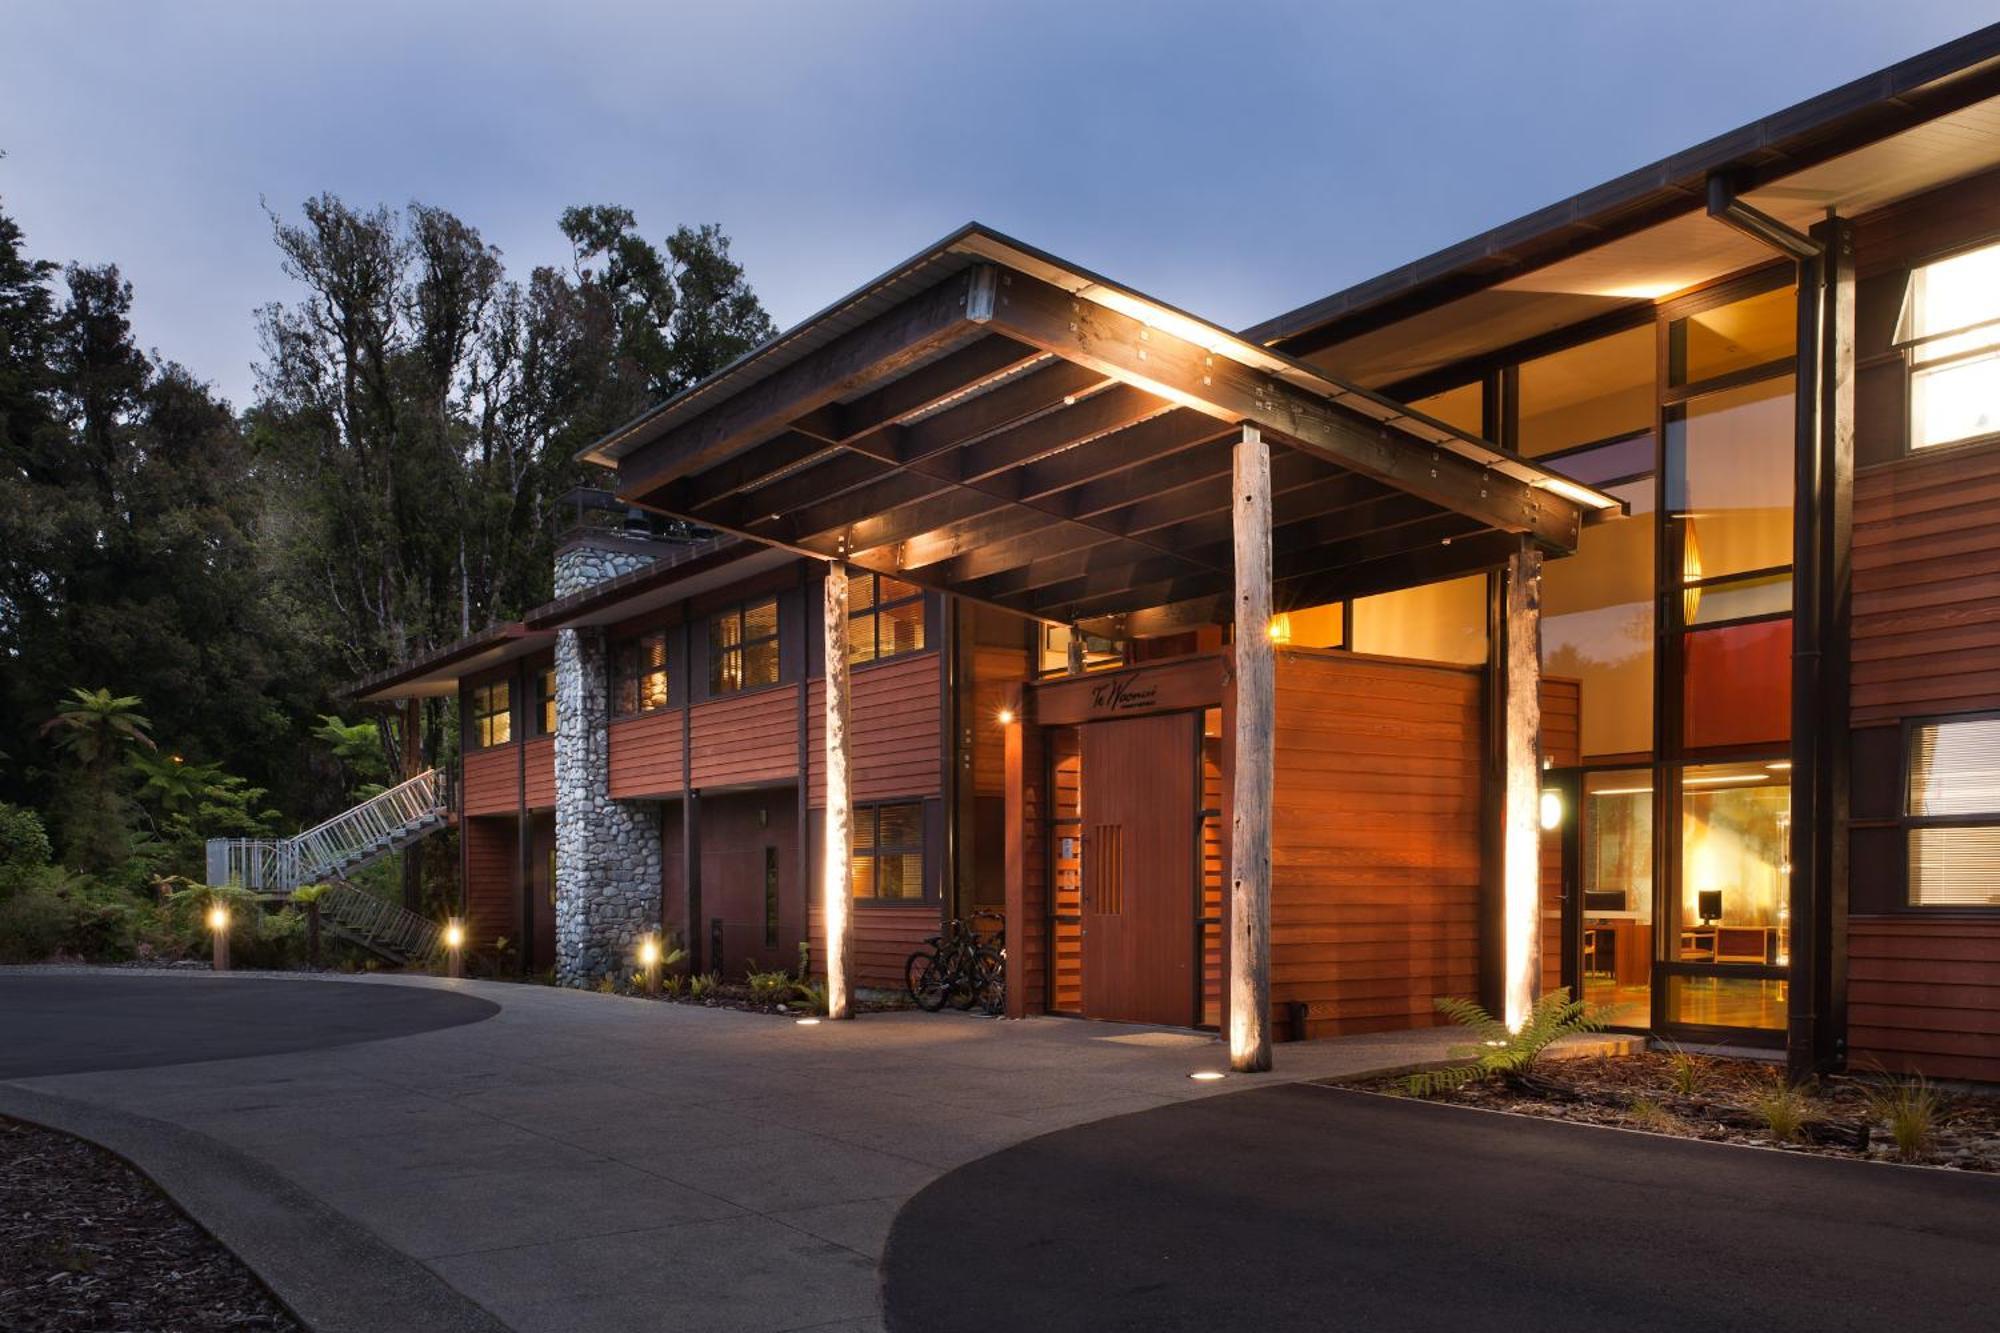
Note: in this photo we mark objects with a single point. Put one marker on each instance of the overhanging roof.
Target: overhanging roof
(989, 420)
(437, 674)
(1918, 124)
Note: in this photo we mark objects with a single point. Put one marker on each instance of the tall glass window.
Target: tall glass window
(1597, 626)
(1595, 391)
(743, 648)
(1437, 622)
(1617, 850)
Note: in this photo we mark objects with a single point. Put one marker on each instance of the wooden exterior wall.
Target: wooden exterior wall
(746, 738)
(1375, 850)
(1923, 985)
(541, 772)
(492, 861)
(491, 781)
(646, 755)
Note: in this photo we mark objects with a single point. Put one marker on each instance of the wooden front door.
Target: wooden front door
(1139, 802)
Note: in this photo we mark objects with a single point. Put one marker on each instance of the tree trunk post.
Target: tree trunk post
(838, 843)
(1522, 896)
(1256, 703)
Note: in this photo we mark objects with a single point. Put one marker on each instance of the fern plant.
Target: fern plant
(701, 987)
(768, 987)
(812, 994)
(1498, 1052)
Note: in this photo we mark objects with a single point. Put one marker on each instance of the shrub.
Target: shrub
(769, 987)
(674, 985)
(23, 840)
(1911, 1110)
(1784, 1108)
(52, 913)
(1688, 1071)
(813, 995)
(701, 987)
(1500, 1052)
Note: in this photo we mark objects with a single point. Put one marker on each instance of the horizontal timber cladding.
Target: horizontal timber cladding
(1562, 713)
(894, 744)
(1927, 585)
(541, 762)
(1923, 994)
(492, 781)
(1375, 845)
(884, 939)
(646, 755)
(492, 864)
(745, 738)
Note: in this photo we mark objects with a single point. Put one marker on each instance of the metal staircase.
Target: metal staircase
(380, 927)
(342, 845)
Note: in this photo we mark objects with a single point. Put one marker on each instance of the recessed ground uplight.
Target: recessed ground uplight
(1206, 1075)
(808, 1022)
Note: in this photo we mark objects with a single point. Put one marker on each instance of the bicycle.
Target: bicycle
(960, 967)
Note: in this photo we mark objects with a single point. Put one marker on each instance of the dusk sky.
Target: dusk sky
(1235, 159)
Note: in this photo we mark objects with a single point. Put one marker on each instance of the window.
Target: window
(1952, 813)
(492, 714)
(545, 702)
(1728, 339)
(1598, 390)
(1597, 625)
(743, 648)
(639, 674)
(1463, 408)
(1950, 330)
(1054, 651)
(889, 852)
(1437, 622)
(885, 618)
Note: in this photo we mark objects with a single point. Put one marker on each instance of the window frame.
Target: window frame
(717, 654)
(1908, 824)
(1909, 350)
(871, 615)
(483, 714)
(872, 810)
(626, 656)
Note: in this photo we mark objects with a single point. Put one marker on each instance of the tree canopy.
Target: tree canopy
(417, 414)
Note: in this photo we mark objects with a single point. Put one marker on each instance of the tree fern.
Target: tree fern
(1499, 1052)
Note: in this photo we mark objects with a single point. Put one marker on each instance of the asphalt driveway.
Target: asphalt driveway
(1302, 1207)
(569, 1161)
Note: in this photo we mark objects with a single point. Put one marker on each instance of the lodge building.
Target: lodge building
(1611, 601)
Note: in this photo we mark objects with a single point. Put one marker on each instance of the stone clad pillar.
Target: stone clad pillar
(607, 852)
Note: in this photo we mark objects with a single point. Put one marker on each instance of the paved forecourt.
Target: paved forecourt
(1309, 1208)
(569, 1160)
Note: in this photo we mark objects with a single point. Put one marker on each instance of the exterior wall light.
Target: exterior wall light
(218, 928)
(1281, 628)
(1005, 717)
(1552, 810)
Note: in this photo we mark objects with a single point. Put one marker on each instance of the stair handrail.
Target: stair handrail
(281, 865)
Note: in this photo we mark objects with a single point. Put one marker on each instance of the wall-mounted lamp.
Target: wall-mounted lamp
(1280, 628)
(1552, 810)
(1005, 717)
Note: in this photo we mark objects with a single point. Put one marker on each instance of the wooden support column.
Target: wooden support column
(1521, 833)
(1256, 709)
(836, 900)
(1014, 737)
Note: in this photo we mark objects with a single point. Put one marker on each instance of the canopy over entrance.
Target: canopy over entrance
(990, 421)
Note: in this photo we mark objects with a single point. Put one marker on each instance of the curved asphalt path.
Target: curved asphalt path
(1305, 1207)
(76, 1023)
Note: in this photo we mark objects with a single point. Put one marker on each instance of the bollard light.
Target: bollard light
(454, 949)
(649, 958)
(218, 927)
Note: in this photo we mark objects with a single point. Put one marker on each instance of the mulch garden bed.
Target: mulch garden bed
(86, 1242)
(736, 995)
(1645, 1091)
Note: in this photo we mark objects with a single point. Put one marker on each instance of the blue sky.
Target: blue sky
(1237, 159)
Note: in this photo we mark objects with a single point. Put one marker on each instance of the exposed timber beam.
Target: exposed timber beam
(875, 351)
(1120, 345)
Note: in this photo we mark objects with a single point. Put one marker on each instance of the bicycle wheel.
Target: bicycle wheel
(989, 982)
(928, 986)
